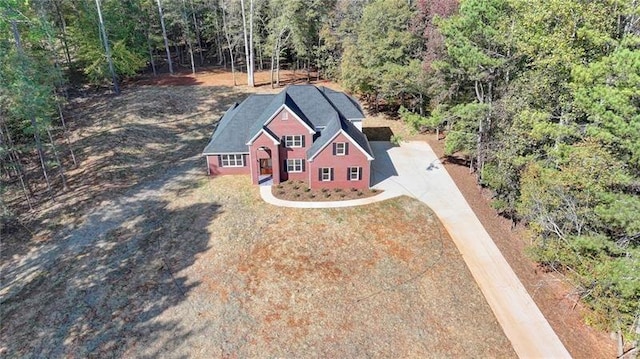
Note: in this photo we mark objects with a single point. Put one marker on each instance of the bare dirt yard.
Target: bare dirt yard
(146, 256)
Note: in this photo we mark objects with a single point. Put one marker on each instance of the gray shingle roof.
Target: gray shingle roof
(325, 136)
(268, 110)
(357, 136)
(348, 106)
(317, 107)
(335, 127)
(312, 104)
(231, 133)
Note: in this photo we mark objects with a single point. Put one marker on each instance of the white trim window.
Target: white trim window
(232, 160)
(285, 115)
(341, 148)
(326, 174)
(293, 141)
(295, 165)
(354, 173)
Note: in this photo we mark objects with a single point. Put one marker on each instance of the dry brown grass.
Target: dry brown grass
(382, 280)
(145, 258)
(212, 271)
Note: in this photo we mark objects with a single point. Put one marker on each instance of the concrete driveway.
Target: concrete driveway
(415, 170)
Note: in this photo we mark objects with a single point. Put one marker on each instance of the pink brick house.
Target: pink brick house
(304, 133)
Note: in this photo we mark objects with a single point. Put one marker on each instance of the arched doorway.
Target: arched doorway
(266, 165)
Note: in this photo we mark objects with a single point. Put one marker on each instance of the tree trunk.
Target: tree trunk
(63, 25)
(41, 155)
(318, 65)
(17, 167)
(55, 155)
(252, 66)
(278, 65)
(16, 156)
(66, 134)
(221, 58)
(164, 36)
(186, 31)
(273, 63)
(153, 62)
(248, 42)
(179, 55)
(220, 50)
(376, 102)
(274, 55)
(107, 50)
(34, 125)
(197, 29)
(228, 37)
(260, 60)
(193, 65)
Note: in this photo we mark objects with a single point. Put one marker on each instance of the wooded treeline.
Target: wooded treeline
(542, 99)
(49, 47)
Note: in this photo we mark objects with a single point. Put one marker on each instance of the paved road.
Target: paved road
(414, 169)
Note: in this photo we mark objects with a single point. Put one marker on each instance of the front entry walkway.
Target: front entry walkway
(267, 196)
(265, 180)
(414, 169)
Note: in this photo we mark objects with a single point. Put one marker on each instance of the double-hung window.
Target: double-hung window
(295, 165)
(326, 174)
(232, 160)
(340, 149)
(354, 173)
(293, 141)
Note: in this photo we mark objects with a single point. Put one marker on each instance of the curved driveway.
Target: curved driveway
(414, 169)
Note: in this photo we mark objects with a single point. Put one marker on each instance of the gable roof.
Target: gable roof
(332, 131)
(315, 107)
(290, 107)
(268, 133)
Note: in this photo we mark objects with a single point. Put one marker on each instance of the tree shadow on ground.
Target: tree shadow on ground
(143, 135)
(98, 294)
(378, 133)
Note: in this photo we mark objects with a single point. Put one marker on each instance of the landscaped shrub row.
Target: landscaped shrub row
(300, 191)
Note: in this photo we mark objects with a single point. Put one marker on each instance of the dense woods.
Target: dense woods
(541, 99)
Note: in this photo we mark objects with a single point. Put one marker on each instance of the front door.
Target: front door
(265, 166)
